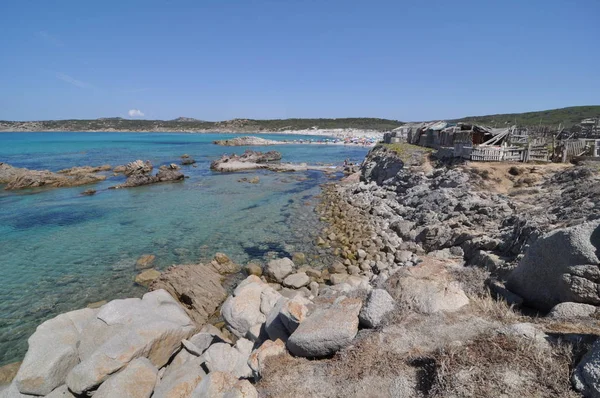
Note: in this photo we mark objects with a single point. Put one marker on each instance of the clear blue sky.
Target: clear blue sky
(220, 59)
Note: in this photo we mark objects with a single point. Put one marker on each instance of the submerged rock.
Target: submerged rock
(145, 261)
(145, 278)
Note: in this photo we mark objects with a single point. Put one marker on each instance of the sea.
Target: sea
(61, 250)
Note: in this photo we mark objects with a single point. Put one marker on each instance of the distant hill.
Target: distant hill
(567, 116)
(186, 119)
(192, 125)
(553, 117)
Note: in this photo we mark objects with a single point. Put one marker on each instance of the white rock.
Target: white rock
(327, 329)
(60, 392)
(52, 353)
(296, 281)
(181, 380)
(224, 385)
(285, 317)
(222, 357)
(136, 380)
(280, 268)
(152, 327)
(242, 310)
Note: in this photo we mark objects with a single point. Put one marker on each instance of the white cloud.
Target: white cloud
(135, 113)
(73, 81)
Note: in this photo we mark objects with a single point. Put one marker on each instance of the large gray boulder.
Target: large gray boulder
(181, 379)
(279, 268)
(297, 280)
(224, 385)
(221, 357)
(427, 288)
(245, 311)
(586, 377)
(52, 352)
(327, 329)
(136, 380)
(151, 327)
(572, 311)
(285, 317)
(561, 266)
(378, 304)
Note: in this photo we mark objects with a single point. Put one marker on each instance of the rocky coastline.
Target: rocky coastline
(447, 280)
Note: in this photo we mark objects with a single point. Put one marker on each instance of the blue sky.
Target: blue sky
(216, 60)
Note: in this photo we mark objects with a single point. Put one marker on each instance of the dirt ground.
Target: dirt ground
(505, 177)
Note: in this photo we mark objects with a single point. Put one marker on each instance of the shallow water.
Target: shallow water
(60, 251)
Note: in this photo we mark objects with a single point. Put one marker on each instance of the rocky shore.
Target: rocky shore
(137, 172)
(448, 281)
(247, 141)
(254, 160)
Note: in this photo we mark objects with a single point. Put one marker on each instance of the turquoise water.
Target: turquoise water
(60, 251)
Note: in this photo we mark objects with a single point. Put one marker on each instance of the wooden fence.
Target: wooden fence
(489, 153)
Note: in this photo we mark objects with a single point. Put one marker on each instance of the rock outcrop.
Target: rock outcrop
(586, 376)
(124, 330)
(197, 287)
(19, 178)
(85, 169)
(561, 266)
(138, 178)
(381, 165)
(136, 167)
(427, 288)
(118, 347)
(249, 160)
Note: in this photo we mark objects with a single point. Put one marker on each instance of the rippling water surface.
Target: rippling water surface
(60, 251)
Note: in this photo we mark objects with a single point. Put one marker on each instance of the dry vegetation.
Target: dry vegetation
(502, 366)
(508, 177)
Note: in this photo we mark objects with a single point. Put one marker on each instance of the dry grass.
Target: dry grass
(499, 365)
(471, 279)
(487, 307)
(504, 177)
